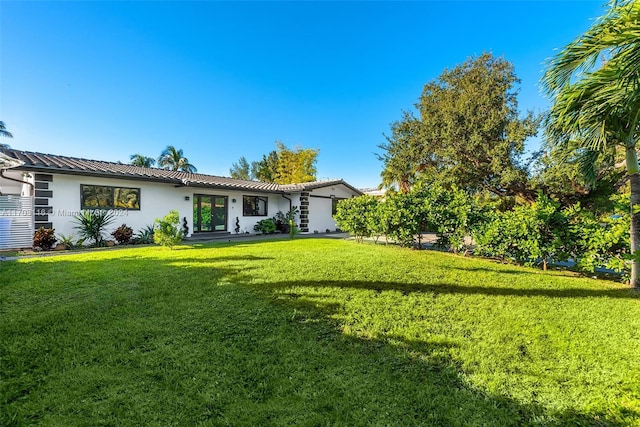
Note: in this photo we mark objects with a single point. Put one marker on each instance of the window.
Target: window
(334, 205)
(105, 197)
(254, 206)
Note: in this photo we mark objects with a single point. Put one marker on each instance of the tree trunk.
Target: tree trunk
(635, 229)
(634, 178)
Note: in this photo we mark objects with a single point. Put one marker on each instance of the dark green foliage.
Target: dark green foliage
(123, 234)
(167, 231)
(69, 241)
(529, 234)
(173, 159)
(601, 241)
(241, 170)
(356, 215)
(144, 236)
(91, 224)
(469, 133)
(44, 238)
(265, 226)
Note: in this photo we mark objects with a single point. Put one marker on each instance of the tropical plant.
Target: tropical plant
(265, 226)
(92, 224)
(167, 231)
(44, 238)
(596, 104)
(123, 234)
(69, 241)
(5, 133)
(140, 160)
(144, 236)
(173, 159)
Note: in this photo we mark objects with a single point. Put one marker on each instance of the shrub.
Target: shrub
(144, 236)
(354, 215)
(44, 238)
(167, 231)
(266, 226)
(123, 234)
(68, 241)
(528, 234)
(92, 225)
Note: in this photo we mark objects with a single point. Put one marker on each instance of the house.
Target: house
(45, 190)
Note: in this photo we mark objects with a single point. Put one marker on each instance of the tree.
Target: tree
(469, 133)
(173, 159)
(5, 133)
(282, 166)
(402, 154)
(241, 170)
(597, 103)
(295, 166)
(140, 160)
(266, 169)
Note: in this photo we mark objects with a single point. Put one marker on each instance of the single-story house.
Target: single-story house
(45, 190)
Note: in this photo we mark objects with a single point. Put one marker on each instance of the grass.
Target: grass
(311, 332)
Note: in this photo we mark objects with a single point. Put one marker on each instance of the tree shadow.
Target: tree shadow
(283, 358)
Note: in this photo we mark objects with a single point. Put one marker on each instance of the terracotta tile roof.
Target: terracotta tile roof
(50, 163)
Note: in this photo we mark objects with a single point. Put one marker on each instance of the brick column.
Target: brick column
(304, 212)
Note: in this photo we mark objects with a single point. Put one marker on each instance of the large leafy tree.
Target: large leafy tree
(469, 133)
(173, 159)
(140, 160)
(5, 133)
(595, 86)
(295, 166)
(282, 165)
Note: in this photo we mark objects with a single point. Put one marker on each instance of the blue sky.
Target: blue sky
(104, 80)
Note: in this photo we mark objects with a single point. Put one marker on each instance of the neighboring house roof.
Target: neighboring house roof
(50, 163)
(308, 186)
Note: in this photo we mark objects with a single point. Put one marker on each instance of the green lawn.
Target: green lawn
(311, 332)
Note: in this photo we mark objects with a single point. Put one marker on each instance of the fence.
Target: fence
(16, 222)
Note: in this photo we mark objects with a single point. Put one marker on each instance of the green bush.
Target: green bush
(355, 215)
(144, 236)
(265, 226)
(528, 234)
(91, 225)
(167, 231)
(44, 238)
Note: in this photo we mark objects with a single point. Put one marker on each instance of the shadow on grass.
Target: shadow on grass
(448, 288)
(181, 349)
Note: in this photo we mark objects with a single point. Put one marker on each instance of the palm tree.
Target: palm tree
(597, 103)
(140, 160)
(173, 159)
(4, 132)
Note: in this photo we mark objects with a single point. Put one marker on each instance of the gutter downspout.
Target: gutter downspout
(33, 188)
(290, 202)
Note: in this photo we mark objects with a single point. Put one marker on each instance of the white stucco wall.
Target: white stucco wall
(10, 187)
(320, 217)
(156, 200)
